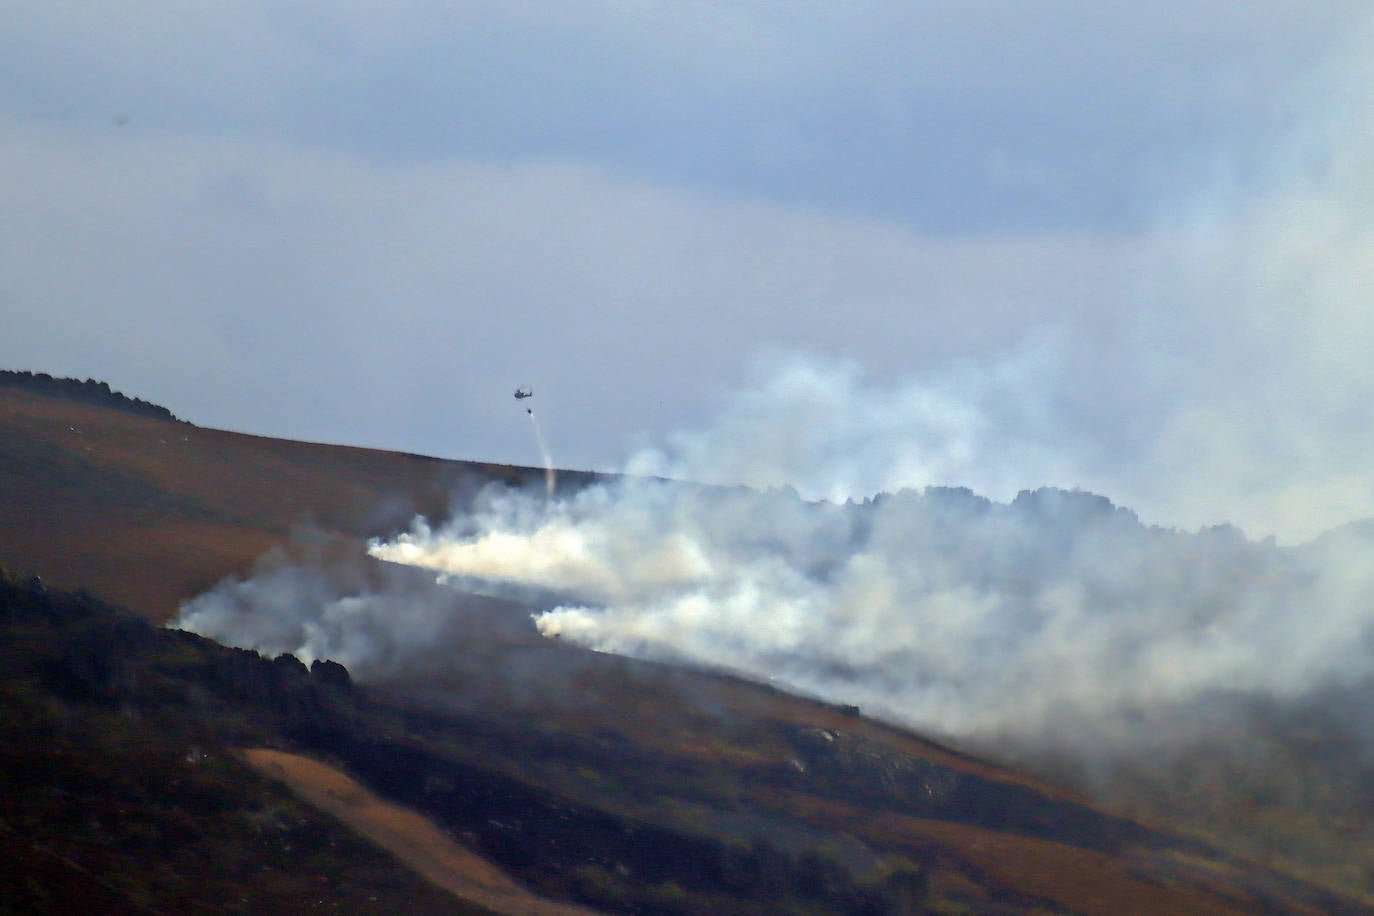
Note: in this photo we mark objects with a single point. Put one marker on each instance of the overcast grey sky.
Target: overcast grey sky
(1134, 239)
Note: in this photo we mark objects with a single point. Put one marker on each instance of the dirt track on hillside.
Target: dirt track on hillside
(411, 838)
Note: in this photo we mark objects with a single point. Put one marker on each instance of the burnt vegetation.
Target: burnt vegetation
(120, 789)
(119, 774)
(119, 778)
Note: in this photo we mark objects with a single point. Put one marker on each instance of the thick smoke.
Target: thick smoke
(824, 429)
(1253, 329)
(380, 620)
(939, 608)
(1235, 389)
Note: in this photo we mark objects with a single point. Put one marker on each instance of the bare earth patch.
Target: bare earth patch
(413, 839)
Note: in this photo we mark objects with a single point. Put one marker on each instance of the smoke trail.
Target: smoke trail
(937, 608)
(550, 476)
(378, 620)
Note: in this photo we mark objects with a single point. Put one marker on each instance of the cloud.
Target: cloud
(1209, 371)
(366, 227)
(319, 295)
(989, 118)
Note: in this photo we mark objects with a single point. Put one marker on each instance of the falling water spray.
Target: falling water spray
(549, 475)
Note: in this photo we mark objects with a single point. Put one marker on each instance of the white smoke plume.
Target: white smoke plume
(1254, 327)
(939, 608)
(379, 620)
(825, 430)
(1236, 389)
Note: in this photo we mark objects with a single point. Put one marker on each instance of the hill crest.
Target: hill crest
(88, 391)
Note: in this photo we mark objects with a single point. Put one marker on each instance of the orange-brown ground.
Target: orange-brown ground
(148, 512)
(408, 836)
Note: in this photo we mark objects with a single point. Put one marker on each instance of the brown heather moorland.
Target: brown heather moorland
(149, 770)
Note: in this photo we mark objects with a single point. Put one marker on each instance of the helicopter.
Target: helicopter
(522, 393)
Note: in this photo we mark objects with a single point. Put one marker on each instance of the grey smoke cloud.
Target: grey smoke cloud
(1234, 398)
(380, 620)
(826, 429)
(1233, 386)
(1254, 330)
(936, 608)
(1235, 394)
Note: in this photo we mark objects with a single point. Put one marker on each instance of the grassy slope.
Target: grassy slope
(412, 838)
(149, 512)
(757, 801)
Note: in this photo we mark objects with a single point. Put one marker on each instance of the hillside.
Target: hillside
(621, 785)
(149, 512)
